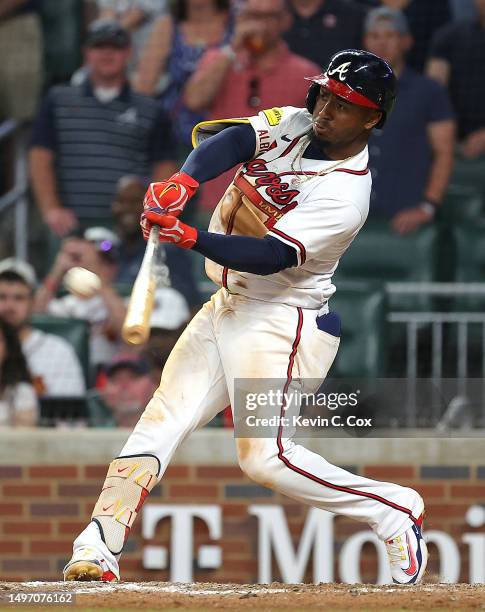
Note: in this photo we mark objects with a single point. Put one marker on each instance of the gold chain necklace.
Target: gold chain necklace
(297, 180)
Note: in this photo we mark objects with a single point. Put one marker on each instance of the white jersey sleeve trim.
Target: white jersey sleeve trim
(290, 241)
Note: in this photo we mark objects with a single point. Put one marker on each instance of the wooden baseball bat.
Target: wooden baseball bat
(136, 327)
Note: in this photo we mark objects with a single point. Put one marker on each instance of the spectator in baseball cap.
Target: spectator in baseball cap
(101, 306)
(137, 16)
(127, 389)
(105, 241)
(75, 165)
(107, 32)
(51, 360)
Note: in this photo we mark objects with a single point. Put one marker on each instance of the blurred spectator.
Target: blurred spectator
(86, 137)
(136, 16)
(255, 71)
(170, 314)
(18, 400)
(52, 362)
(172, 53)
(424, 18)
(320, 28)
(412, 157)
(457, 61)
(126, 208)
(128, 389)
(21, 53)
(105, 309)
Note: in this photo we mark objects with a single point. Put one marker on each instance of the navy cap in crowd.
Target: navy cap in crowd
(107, 32)
(128, 361)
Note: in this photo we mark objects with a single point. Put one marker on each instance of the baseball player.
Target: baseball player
(298, 199)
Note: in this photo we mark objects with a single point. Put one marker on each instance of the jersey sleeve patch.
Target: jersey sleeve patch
(273, 116)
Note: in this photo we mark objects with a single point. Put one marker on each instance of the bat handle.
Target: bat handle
(154, 236)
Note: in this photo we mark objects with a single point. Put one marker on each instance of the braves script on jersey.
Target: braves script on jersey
(318, 217)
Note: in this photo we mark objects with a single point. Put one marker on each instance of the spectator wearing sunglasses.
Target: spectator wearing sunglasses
(256, 70)
(104, 309)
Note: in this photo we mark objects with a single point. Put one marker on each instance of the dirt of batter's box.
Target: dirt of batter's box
(270, 597)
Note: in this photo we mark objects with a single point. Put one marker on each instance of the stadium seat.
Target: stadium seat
(469, 239)
(470, 262)
(362, 309)
(468, 173)
(378, 254)
(99, 415)
(75, 331)
(461, 203)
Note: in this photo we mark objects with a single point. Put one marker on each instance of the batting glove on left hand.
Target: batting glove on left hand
(171, 229)
(171, 195)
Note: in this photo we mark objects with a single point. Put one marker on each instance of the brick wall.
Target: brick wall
(43, 507)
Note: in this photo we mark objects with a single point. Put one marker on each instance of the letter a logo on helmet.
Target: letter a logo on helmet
(341, 70)
(359, 77)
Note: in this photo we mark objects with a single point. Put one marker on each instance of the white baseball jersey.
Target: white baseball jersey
(273, 195)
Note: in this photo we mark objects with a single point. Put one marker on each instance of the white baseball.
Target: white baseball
(81, 282)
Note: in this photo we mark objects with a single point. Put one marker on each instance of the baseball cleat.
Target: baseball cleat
(408, 555)
(87, 565)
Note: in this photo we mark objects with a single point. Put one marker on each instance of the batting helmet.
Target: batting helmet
(361, 78)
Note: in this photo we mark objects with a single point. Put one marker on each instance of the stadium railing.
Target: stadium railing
(17, 195)
(453, 353)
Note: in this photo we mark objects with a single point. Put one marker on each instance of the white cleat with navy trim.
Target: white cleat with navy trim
(408, 555)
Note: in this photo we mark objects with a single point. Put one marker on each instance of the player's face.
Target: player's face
(337, 121)
(15, 303)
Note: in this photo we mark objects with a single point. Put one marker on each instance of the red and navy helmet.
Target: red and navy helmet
(360, 77)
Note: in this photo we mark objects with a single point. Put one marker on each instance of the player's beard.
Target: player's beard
(319, 143)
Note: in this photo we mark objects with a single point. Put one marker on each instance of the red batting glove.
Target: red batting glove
(171, 195)
(171, 228)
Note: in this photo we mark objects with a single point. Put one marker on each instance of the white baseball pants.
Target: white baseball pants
(237, 337)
